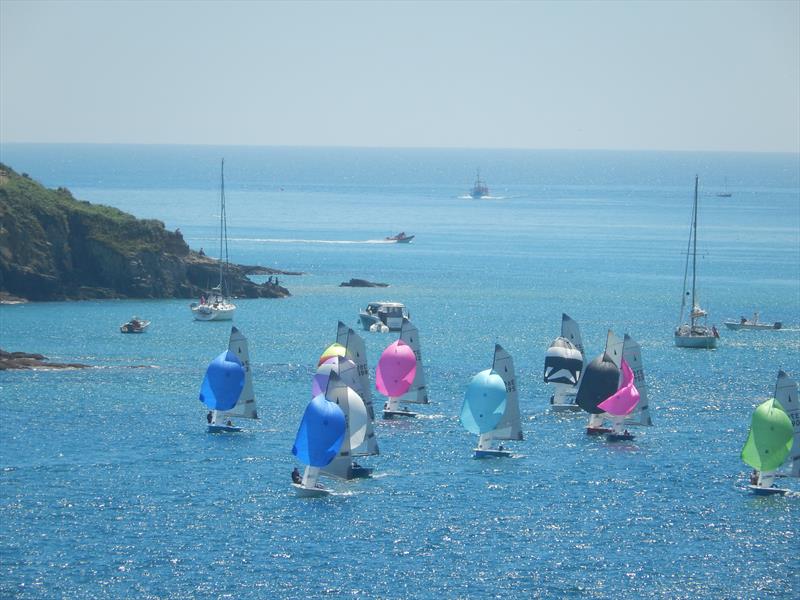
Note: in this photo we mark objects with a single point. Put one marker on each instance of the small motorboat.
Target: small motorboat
(380, 316)
(754, 323)
(400, 238)
(135, 325)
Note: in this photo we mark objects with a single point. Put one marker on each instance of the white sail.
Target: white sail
(356, 420)
(786, 394)
(245, 407)
(571, 331)
(632, 353)
(510, 426)
(357, 352)
(418, 392)
(614, 347)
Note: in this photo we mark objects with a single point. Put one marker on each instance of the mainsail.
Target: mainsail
(356, 420)
(418, 392)
(356, 352)
(632, 354)
(571, 331)
(510, 426)
(786, 394)
(246, 404)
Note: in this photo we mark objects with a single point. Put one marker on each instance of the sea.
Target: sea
(110, 486)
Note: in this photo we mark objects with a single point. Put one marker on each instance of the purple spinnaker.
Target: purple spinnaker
(625, 399)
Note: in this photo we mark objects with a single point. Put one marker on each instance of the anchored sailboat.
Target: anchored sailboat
(563, 364)
(774, 435)
(483, 402)
(394, 376)
(695, 333)
(221, 389)
(217, 304)
(321, 434)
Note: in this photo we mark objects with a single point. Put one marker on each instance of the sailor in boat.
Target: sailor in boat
(296, 477)
(209, 417)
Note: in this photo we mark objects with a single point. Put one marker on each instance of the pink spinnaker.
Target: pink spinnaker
(625, 399)
(396, 369)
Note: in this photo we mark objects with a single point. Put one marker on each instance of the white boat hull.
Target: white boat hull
(696, 341)
(768, 491)
(310, 492)
(203, 312)
(738, 326)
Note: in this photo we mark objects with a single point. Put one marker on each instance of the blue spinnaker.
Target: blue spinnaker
(484, 402)
(321, 433)
(223, 382)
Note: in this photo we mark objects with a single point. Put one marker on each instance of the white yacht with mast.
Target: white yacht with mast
(217, 304)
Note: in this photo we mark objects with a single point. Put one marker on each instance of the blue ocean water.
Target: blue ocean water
(110, 487)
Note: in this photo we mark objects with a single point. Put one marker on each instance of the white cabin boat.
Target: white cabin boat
(383, 316)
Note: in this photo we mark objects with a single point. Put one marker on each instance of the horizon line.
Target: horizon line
(375, 147)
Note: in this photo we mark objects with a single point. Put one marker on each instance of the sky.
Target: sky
(705, 75)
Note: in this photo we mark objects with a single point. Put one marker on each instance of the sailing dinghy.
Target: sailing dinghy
(319, 437)
(221, 388)
(394, 376)
(491, 406)
(774, 436)
(620, 404)
(563, 364)
(599, 381)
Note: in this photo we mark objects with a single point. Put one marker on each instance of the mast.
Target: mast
(694, 252)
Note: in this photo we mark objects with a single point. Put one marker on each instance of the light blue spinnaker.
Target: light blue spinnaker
(321, 433)
(223, 382)
(484, 402)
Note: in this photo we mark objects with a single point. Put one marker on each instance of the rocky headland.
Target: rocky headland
(55, 247)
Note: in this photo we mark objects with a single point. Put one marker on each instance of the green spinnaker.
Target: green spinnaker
(770, 438)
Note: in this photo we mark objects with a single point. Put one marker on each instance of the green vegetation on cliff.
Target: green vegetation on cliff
(54, 247)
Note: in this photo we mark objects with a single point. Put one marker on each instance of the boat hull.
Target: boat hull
(391, 414)
(491, 453)
(223, 429)
(360, 472)
(767, 491)
(738, 326)
(696, 341)
(619, 437)
(310, 492)
(206, 313)
(597, 430)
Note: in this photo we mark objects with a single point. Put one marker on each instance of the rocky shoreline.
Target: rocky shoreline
(27, 361)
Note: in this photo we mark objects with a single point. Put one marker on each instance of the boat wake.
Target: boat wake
(305, 241)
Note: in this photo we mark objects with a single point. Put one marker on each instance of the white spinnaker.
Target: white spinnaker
(510, 426)
(632, 353)
(356, 419)
(571, 331)
(245, 407)
(418, 392)
(786, 394)
(357, 352)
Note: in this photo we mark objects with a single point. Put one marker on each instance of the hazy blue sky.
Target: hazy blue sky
(616, 75)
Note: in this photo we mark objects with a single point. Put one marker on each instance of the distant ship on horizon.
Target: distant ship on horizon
(479, 189)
